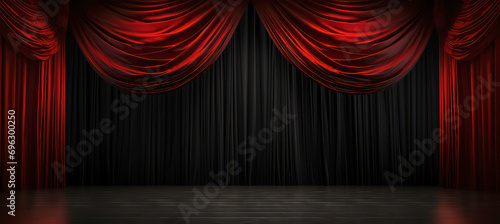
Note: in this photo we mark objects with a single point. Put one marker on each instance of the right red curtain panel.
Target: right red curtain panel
(469, 108)
(469, 94)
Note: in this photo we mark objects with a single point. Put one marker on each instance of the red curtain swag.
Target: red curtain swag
(473, 26)
(153, 46)
(349, 46)
(32, 28)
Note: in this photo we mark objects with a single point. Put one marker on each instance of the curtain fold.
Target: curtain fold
(471, 26)
(33, 27)
(358, 46)
(469, 108)
(35, 90)
(469, 82)
(32, 83)
(128, 42)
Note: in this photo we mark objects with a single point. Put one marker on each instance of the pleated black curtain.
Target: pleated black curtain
(180, 137)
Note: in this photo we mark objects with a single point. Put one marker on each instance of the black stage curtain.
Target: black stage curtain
(179, 137)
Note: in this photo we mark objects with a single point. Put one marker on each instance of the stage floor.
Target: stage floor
(288, 205)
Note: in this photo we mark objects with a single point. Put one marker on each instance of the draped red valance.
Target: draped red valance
(158, 45)
(32, 28)
(155, 45)
(350, 46)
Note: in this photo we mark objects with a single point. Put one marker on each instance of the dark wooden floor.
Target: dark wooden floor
(287, 205)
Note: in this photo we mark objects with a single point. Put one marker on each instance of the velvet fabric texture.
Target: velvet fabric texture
(469, 96)
(349, 46)
(155, 45)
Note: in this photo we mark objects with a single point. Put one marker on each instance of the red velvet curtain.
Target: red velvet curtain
(32, 83)
(32, 27)
(154, 45)
(470, 95)
(357, 46)
(151, 46)
(474, 27)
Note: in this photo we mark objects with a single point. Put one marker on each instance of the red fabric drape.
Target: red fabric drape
(36, 91)
(130, 42)
(469, 94)
(469, 108)
(33, 30)
(357, 46)
(32, 83)
(474, 26)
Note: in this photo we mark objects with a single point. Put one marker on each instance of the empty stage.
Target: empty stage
(257, 204)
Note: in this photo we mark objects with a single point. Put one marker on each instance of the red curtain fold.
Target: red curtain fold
(155, 45)
(357, 46)
(36, 91)
(32, 83)
(33, 27)
(469, 95)
(469, 108)
(471, 27)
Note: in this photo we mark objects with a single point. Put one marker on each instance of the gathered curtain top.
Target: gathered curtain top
(357, 46)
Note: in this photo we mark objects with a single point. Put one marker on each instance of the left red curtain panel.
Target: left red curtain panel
(33, 92)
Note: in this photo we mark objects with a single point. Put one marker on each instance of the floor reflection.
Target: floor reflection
(255, 205)
(461, 207)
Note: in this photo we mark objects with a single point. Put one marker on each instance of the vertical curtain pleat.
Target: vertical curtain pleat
(35, 90)
(469, 71)
(469, 99)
